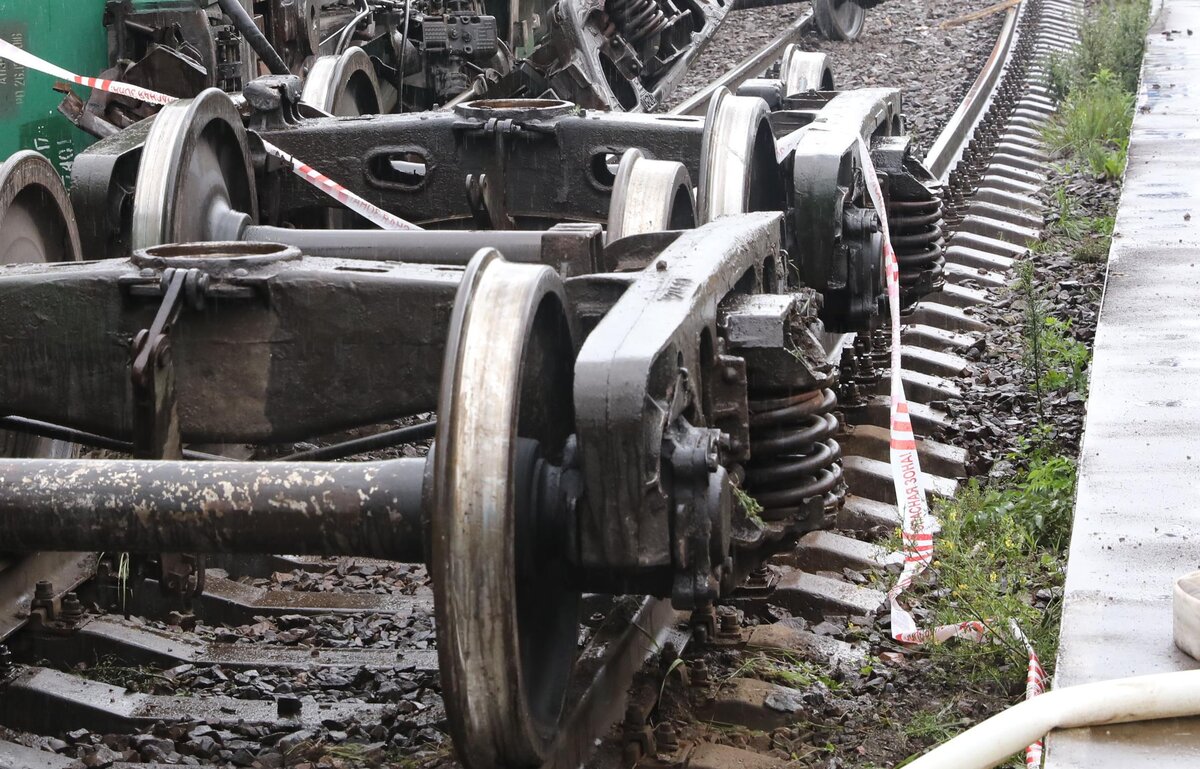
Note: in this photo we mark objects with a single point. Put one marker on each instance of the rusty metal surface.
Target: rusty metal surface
(1137, 522)
(599, 686)
(551, 167)
(625, 381)
(838, 243)
(19, 575)
(572, 249)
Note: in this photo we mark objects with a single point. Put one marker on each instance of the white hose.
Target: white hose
(1143, 698)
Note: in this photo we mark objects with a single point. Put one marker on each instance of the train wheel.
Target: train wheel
(738, 168)
(343, 85)
(803, 71)
(650, 196)
(195, 181)
(839, 19)
(36, 220)
(37, 224)
(507, 618)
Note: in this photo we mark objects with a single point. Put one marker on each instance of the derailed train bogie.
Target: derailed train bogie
(380, 56)
(829, 241)
(598, 399)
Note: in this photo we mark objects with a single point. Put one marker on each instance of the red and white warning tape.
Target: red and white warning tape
(306, 172)
(917, 523)
(336, 191)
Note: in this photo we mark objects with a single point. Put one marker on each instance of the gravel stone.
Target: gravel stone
(903, 45)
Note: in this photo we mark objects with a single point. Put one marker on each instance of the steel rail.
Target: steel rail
(82, 437)
(948, 148)
(420, 431)
(605, 671)
(752, 66)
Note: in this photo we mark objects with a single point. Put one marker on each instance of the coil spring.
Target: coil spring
(917, 239)
(636, 19)
(795, 470)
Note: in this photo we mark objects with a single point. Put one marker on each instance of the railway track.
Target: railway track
(243, 692)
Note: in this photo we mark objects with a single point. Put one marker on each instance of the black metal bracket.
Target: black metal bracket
(155, 416)
(156, 433)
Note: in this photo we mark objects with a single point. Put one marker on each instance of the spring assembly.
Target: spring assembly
(917, 238)
(636, 20)
(795, 469)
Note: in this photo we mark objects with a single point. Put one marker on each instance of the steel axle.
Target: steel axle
(575, 249)
(140, 506)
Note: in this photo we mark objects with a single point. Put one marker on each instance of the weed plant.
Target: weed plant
(1093, 125)
(1065, 359)
(1053, 358)
(1034, 321)
(749, 505)
(109, 670)
(786, 668)
(1000, 545)
(1112, 39)
(1097, 83)
(936, 724)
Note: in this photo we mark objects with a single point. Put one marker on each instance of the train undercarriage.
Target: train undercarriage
(615, 325)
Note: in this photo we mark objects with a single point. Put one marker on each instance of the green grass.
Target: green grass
(1114, 39)
(1097, 83)
(933, 725)
(1053, 358)
(1086, 238)
(787, 668)
(1066, 358)
(936, 725)
(999, 545)
(1092, 127)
